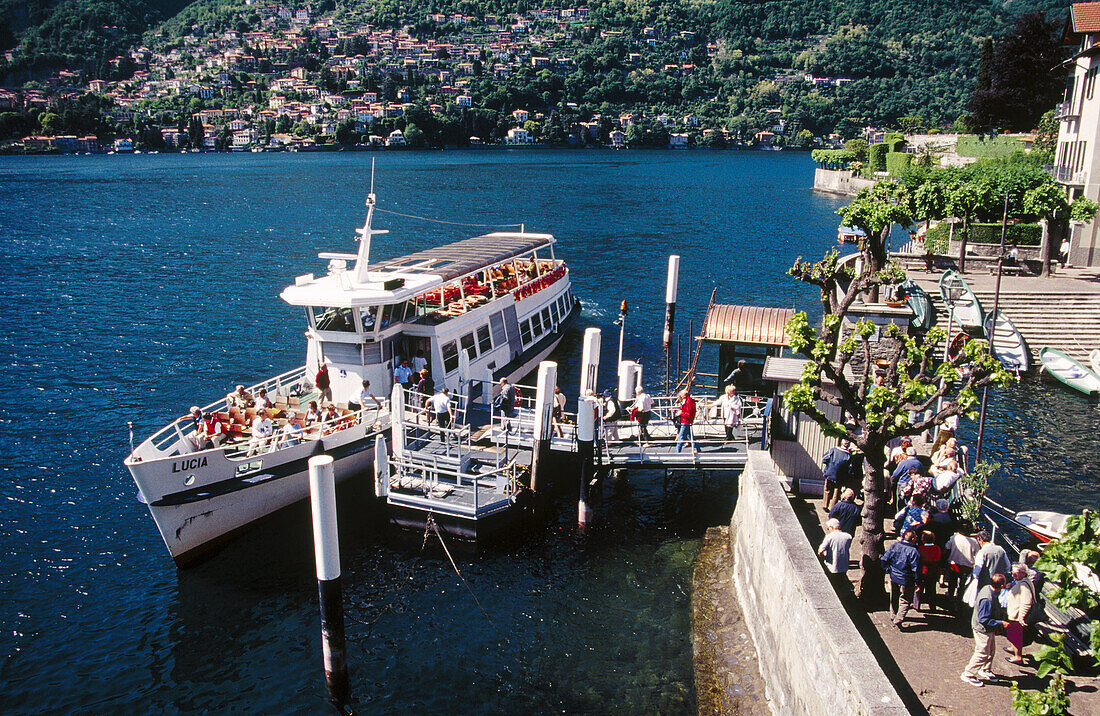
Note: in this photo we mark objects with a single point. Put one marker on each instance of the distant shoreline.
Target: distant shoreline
(332, 149)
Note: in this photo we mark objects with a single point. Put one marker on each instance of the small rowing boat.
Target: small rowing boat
(1006, 343)
(956, 294)
(1044, 525)
(1069, 371)
(918, 301)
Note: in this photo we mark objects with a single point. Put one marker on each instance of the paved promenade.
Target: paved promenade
(1068, 280)
(929, 655)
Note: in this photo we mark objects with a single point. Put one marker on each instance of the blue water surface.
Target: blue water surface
(135, 286)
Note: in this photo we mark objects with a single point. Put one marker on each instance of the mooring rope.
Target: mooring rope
(446, 551)
(386, 608)
(450, 223)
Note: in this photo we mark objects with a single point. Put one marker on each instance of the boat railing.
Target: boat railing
(369, 417)
(708, 428)
(173, 438)
(431, 468)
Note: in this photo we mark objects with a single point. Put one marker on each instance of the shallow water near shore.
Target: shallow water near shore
(136, 286)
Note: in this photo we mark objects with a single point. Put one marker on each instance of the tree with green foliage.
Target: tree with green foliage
(965, 199)
(841, 373)
(1021, 83)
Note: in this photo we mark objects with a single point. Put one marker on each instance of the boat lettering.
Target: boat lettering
(192, 463)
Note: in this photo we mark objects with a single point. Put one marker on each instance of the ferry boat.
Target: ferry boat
(500, 301)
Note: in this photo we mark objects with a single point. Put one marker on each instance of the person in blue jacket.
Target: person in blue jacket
(902, 563)
(835, 465)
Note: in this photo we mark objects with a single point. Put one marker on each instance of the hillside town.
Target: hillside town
(287, 80)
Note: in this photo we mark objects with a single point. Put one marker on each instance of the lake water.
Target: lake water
(136, 286)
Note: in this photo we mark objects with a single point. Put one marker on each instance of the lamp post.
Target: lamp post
(992, 330)
(621, 323)
(953, 292)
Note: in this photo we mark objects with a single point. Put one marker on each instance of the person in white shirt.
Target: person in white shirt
(262, 430)
(730, 405)
(419, 362)
(835, 548)
(441, 406)
(262, 401)
(292, 433)
(642, 411)
(313, 415)
(363, 397)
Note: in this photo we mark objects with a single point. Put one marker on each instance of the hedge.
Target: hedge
(1021, 234)
(898, 162)
(876, 157)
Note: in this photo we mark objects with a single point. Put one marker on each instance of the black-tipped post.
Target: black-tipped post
(326, 546)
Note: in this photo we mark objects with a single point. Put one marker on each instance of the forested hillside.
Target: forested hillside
(800, 67)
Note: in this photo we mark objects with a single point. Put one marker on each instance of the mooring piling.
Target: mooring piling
(544, 406)
(586, 436)
(326, 547)
(671, 287)
(590, 360)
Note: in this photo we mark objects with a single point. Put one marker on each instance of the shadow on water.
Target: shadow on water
(592, 623)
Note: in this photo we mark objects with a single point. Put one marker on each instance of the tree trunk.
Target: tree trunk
(872, 588)
(962, 244)
(1044, 247)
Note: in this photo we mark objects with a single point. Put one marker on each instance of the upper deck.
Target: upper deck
(404, 278)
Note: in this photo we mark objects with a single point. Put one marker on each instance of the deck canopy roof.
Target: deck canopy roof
(727, 323)
(464, 257)
(418, 272)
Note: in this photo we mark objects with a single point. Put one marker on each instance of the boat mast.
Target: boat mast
(365, 232)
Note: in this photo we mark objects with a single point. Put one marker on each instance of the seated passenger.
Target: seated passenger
(212, 431)
(240, 398)
(262, 431)
(330, 414)
(313, 415)
(292, 433)
(262, 401)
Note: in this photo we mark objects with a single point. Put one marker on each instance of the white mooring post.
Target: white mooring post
(590, 360)
(586, 437)
(670, 297)
(381, 468)
(397, 420)
(628, 379)
(544, 428)
(326, 547)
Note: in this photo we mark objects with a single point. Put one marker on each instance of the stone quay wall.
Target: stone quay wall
(836, 181)
(812, 659)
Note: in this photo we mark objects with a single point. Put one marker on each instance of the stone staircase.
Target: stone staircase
(1069, 322)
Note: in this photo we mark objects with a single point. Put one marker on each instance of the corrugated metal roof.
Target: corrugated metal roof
(727, 323)
(1085, 16)
(466, 256)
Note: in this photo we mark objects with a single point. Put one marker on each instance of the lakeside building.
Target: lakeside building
(1077, 159)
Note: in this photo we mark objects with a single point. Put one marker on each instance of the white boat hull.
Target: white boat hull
(200, 499)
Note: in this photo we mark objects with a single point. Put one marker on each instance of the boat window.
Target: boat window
(525, 331)
(554, 311)
(484, 340)
(393, 313)
(333, 319)
(536, 325)
(468, 345)
(546, 318)
(367, 316)
(450, 357)
(561, 306)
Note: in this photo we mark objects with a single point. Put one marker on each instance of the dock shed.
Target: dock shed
(749, 333)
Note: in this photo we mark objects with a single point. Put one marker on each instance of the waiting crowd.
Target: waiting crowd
(935, 549)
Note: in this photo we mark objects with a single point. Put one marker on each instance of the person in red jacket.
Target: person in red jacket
(323, 383)
(687, 417)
